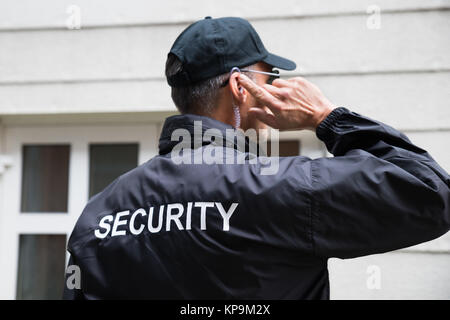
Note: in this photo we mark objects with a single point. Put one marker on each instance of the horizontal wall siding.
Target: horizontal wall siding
(416, 41)
(402, 276)
(16, 14)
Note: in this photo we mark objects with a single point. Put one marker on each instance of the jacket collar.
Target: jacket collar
(186, 121)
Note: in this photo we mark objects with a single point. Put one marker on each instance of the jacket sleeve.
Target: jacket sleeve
(379, 193)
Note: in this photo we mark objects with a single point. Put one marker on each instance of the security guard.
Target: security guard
(182, 227)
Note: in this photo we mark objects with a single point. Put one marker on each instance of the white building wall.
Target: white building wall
(399, 74)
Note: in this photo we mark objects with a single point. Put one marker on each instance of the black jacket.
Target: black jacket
(234, 233)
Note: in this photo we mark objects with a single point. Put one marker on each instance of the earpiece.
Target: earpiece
(237, 113)
(237, 117)
(236, 69)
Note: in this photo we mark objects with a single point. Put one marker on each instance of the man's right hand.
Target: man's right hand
(292, 104)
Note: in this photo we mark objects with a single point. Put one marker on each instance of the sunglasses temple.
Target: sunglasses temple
(262, 72)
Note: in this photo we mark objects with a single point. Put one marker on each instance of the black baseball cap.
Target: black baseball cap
(211, 47)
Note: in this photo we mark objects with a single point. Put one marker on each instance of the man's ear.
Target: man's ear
(237, 90)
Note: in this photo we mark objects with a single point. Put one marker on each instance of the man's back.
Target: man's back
(216, 231)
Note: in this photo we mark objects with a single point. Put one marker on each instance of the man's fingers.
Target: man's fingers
(280, 83)
(263, 115)
(260, 94)
(297, 80)
(276, 92)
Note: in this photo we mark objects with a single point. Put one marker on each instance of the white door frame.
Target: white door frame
(14, 223)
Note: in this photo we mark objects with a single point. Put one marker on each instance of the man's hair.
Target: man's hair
(199, 98)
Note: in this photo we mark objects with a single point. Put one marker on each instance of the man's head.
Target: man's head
(199, 65)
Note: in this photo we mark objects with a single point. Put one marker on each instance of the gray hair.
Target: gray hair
(199, 97)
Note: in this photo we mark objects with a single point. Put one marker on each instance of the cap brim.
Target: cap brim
(280, 62)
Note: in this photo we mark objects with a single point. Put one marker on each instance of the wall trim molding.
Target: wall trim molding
(163, 79)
